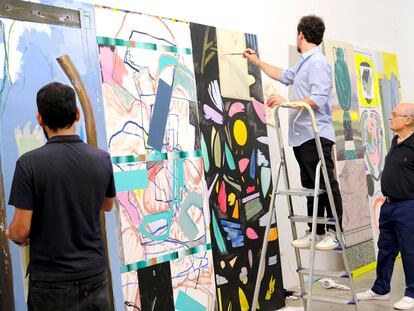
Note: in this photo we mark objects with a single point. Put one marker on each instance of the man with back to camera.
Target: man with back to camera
(312, 83)
(396, 222)
(58, 191)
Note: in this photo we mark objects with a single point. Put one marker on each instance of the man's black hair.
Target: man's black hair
(56, 103)
(312, 27)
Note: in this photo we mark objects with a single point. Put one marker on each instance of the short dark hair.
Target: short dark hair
(312, 27)
(56, 103)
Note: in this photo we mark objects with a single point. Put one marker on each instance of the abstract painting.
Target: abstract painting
(236, 159)
(154, 140)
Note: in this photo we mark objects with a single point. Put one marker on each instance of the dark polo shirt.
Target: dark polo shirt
(397, 180)
(64, 183)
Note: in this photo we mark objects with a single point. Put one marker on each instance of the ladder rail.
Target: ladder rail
(282, 167)
(261, 268)
(313, 239)
(328, 187)
(307, 297)
(293, 225)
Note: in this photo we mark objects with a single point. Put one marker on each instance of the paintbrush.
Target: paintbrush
(238, 53)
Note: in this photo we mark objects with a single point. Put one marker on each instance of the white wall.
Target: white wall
(377, 24)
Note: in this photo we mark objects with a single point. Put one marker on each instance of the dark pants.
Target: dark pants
(396, 225)
(87, 294)
(307, 157)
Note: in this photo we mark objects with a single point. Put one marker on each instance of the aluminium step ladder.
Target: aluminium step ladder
(306, 292)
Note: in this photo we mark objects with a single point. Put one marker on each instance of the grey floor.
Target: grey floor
(362, 283)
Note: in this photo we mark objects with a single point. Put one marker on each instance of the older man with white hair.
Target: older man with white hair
(397, 213)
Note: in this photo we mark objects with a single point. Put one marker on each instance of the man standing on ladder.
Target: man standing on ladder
(312, 83)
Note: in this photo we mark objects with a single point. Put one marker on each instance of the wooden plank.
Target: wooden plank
(39, 13)
(6, 278)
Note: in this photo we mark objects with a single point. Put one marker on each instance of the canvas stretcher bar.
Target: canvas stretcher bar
(39, 13)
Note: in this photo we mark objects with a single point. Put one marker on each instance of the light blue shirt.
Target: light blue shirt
(311, 77)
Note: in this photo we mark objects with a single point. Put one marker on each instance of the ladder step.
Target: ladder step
(337, 249)
(319, 220)
(299, 192)
(325, 273)
(331, 299)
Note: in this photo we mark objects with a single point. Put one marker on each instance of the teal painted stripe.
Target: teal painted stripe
(164, 258)
(186, 302)
(217, 234)
(159, 156)
(174, 155)
(142, 45)
(128, 159)
(131, 180)
(180, 168)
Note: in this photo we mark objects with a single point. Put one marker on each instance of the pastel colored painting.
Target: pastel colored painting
(154, 140)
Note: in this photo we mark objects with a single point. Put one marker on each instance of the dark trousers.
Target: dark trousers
(307, 157)
(87, 294)
(396, 225)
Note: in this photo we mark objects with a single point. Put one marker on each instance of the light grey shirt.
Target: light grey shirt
(311, 77)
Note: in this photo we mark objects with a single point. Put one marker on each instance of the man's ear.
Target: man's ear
(410, 122)
(77, 114)
(39, 119)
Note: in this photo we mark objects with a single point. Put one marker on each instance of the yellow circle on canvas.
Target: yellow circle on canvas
(240, 132)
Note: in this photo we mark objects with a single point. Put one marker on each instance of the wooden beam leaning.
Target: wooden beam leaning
(69, 68)
(71, 72)
(39, 13)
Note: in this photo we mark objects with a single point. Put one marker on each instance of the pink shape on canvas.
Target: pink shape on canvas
(112, 66)
(260, 110)
(222, 198)
(243, 163)
(236, 108)
(250, 189)
(130, 209)
(251, 234)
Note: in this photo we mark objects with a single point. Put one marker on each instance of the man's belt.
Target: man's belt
(394, 200)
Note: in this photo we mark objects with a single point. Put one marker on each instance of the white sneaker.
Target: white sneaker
(370, 295)
(404, 304)
(304, 241)
(328, 242)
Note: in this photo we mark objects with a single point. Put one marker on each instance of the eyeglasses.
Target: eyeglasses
(395, 115)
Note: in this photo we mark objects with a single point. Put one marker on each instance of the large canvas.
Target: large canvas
(153, 137)
(345, 112)
(349, 155)
(29, 52)
(373, 131)
(237, 168)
